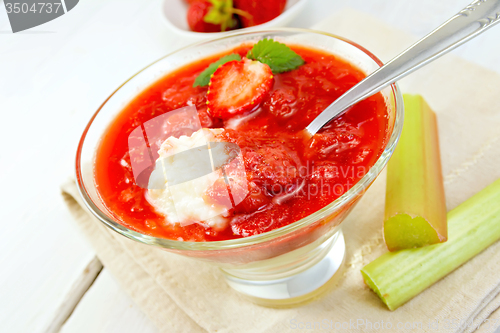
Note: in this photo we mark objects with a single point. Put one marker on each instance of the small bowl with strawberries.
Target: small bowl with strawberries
(203, 18)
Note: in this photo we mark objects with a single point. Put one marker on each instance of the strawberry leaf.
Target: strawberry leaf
(276, 55)
(221, 13)
(204, 78)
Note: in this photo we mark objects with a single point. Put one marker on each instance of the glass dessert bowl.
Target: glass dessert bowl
(276, 266)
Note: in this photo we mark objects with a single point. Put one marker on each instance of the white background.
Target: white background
(52, 78)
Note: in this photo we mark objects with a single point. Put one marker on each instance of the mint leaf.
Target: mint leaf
(204, 78)
(276, 55)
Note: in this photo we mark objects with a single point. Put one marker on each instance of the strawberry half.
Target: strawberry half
(238, 87)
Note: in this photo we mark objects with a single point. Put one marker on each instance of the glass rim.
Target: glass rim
(324, 212)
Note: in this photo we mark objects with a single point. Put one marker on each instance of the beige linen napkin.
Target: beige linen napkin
(183, 295)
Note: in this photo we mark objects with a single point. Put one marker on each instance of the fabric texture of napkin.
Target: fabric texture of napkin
(184, 295)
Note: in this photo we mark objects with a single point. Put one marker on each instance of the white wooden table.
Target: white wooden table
(52, 78)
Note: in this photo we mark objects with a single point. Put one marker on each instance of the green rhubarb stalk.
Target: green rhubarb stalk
(415, 209)
(397, 277)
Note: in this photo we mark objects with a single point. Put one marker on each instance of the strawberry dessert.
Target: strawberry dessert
(216, 149)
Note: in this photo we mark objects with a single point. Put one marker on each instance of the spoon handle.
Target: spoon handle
(471, 21)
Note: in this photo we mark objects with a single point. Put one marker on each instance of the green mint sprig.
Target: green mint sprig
(276, 55)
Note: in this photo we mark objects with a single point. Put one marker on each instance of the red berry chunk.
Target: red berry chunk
(261, 221)
(273, 167)
(282, 103)
(256, 199)
(238, 87)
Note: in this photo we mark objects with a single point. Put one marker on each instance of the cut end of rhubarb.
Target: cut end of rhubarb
(373, 286)
(404, 232)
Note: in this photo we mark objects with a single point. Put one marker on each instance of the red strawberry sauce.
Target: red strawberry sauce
(276, 158)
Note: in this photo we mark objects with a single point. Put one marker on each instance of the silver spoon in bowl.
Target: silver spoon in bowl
(471, 21)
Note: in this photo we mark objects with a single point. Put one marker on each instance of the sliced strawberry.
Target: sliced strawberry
(238, 87)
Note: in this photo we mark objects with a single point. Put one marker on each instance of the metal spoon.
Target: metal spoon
(467, 24)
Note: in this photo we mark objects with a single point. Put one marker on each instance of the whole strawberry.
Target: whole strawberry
(211, 15)
(259, 11)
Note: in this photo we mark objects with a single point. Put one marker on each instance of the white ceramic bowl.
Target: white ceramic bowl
(174, 13)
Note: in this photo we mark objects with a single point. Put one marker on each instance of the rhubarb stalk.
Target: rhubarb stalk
(415, 209)
(397, 277)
